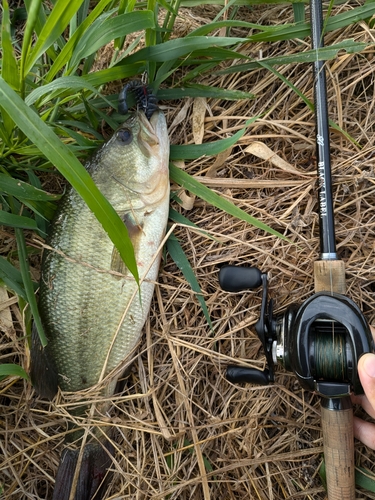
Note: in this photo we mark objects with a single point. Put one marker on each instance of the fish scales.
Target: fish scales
(83, 296)
(89, 303)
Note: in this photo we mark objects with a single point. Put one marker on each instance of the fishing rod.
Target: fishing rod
(322, 339)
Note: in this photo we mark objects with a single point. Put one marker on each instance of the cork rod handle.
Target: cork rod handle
(338, 444)
(337, 414)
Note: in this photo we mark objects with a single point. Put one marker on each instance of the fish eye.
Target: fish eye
(125, 136)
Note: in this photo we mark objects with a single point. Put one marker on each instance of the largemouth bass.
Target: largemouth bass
(90, 305)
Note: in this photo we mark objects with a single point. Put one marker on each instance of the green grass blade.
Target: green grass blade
(20, 221)
(308, 56)
(302, 30)
(178, 255)
(181, 219)
(33, 7)
(194, 151)
(23, 190)
(217, 25)
(103, 32)
(299, 12)
(82, 13)
(327, 16)
(9, 66)
(12, 370)
(179, 47)
(28, 284)
(225, 10)
(12, 278)
(64, 160)
(197, 90)
(189, 183)
(55, 25)
(116, 73)
(60, 86)
(66, 53)
(151, 38)
(170, 19)
(308, 103)
(365, 479)
(43, 209)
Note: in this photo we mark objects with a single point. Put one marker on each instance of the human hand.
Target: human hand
(365, 431)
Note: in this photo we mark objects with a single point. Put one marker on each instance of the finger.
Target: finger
(365, 432)
(357, 399)
(366, 371)
(366, 405)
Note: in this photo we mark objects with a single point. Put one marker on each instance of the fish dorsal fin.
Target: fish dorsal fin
(135, 232)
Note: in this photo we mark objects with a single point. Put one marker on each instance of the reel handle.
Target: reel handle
(238, 278)
(241, 374)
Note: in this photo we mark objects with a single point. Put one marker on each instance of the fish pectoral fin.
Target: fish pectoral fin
(117, 264)
(135, 231)
(43, 372)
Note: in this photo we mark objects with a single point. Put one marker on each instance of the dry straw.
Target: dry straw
(180, 430)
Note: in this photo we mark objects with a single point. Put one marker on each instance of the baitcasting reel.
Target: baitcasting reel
(320, 340)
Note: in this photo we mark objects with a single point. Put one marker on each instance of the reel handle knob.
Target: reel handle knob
(238, 278)
(242, 374)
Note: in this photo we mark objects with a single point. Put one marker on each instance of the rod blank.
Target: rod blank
(326, 226)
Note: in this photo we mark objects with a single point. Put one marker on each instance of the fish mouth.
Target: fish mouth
(153, 131)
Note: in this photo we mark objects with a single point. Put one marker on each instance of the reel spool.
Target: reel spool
(320, 341)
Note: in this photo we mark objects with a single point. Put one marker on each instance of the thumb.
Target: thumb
(366, 370)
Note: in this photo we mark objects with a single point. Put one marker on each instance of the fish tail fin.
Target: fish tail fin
(93, 475)
(43, 372)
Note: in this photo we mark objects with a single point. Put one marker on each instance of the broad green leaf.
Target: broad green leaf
(12, 370)
(247, 3)
(116, 73)
(196, 90)
(9, 70)
(9, 66)
(66, 53)
(302, 30)
(299, 12)
(101, 33)
(82, 14)
(28, 284)
(14, 220)
(60, 86)
(64, 160)
(214, 26)
(308, 103)
(41, 220)
(33, 7)
(365, 479)
(151, 38)
(180, 47)
(308, 56)
(44, 209)
(188, 182)
(21, 189)
(178, 255)
(55, 25)
(11, 276)
(181, 219)
(193, 151)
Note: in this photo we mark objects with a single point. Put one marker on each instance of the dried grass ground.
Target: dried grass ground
(181, 430)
